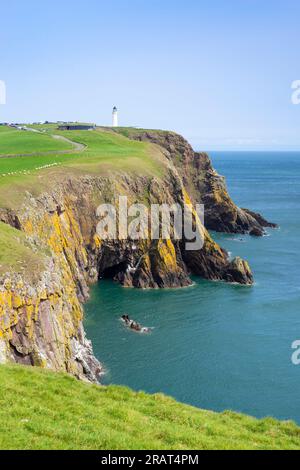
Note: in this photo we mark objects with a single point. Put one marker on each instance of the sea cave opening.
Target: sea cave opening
(115, 271)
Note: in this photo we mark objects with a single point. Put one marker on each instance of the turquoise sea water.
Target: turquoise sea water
(214, 345)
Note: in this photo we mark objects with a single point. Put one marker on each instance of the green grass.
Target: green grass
(105, 152)
(132, 131)
(15, 253)
(110, 150)
(103, 148)
(21, 165)
(44, 410)
(13, 141)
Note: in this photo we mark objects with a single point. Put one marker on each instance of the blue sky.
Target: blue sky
(217, 71)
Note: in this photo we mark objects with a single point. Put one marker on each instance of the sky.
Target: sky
(219, 72)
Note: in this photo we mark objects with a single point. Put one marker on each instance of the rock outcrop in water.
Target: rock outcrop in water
(41, 319)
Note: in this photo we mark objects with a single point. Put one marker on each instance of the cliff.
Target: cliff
(59, 254)
(204, 184)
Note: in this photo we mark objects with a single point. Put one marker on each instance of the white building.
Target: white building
(115, 117)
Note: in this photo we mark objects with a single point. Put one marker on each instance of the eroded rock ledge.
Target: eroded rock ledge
(41, 320)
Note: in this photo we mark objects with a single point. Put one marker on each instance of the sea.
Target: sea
(214, 345)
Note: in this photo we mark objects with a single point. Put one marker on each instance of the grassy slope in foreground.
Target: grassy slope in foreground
(44, 410)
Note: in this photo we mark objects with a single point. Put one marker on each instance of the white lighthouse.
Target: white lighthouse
(115, 117)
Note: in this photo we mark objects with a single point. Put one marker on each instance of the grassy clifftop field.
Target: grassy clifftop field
(44, 410)
(100, 151)
(14, 141)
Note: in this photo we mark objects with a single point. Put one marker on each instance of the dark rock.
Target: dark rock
(256, 232)
(9, 217)
(260, 219)
(239, 271)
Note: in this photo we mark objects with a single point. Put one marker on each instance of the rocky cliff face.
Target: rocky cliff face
(205, 185)
(41, 320)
